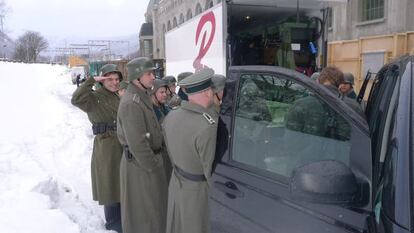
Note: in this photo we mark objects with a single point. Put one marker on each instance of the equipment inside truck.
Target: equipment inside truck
(274, 35)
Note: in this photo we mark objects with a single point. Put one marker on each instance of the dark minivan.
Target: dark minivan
(356, 175)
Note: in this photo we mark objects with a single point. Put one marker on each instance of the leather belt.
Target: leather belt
(189, 176)
(101, 128)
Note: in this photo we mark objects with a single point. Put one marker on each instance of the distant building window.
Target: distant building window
(164, 30)
(372, 9)
(209, 4)
(189, 14)
(148, 48)
(169, 25)
(330, 17)
(198, 9)
(175, 22)
(181, 21)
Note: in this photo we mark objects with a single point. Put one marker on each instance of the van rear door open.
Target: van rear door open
(250, 32)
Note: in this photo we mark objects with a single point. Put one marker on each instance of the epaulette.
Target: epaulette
(136, 99)
(209, 119)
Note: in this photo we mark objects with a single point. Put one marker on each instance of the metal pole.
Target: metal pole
(2, 37)
(109, 47)
(297, 12)
(2, 26)
(128, 55)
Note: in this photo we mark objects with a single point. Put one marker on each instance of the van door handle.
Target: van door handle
(229, 188)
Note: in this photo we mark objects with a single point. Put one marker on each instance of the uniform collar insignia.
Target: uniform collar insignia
(209, 119)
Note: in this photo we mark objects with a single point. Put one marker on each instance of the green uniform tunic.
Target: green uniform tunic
(101, 107)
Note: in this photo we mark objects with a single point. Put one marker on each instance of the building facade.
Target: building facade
(364, 35)
(362, 18)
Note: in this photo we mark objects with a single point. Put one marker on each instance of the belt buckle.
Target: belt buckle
(129, 156)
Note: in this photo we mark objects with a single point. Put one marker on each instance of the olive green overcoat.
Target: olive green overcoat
(144, 187)
(102, 106)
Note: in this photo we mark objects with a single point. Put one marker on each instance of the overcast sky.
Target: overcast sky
(92, 19)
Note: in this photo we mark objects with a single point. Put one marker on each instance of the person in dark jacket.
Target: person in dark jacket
(346, 88)
(102, 107)
(78, 79)
(159, 98)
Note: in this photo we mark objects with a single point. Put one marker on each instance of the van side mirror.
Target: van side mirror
(325, 182)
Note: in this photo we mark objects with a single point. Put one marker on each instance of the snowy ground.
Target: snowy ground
(45, 150)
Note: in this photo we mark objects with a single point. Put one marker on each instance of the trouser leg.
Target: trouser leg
(113, 217)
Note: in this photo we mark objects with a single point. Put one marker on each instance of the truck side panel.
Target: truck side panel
(197, 43)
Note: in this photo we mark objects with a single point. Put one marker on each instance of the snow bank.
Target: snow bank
(45, 149)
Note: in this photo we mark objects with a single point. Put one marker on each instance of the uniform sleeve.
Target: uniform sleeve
(206, 147)
(137, 136)
(83, 97)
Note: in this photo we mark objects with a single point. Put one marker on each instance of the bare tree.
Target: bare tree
(6, 43)
(4, 9)
(29, 46)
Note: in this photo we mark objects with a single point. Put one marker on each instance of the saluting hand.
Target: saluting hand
(100, 78)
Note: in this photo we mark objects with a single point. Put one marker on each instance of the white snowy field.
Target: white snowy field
(45, 151)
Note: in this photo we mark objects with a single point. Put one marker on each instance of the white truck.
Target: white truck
(287, 33)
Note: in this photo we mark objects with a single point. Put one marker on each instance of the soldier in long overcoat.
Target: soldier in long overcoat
(102, 107)
(143, 180)
(190, 134)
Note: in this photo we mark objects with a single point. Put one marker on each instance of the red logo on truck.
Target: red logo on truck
(204, 47)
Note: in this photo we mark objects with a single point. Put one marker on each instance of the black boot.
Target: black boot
(113, 217)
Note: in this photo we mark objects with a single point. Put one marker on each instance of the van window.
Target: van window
(381, 104)
(280, 125)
